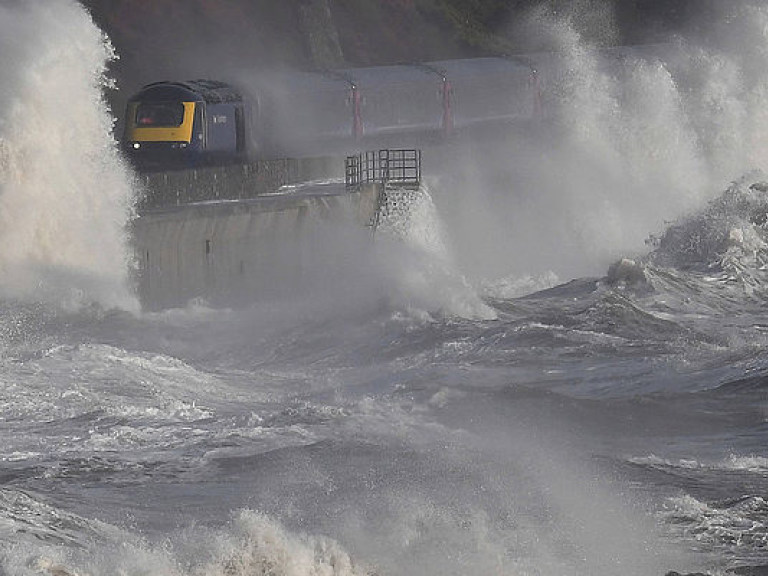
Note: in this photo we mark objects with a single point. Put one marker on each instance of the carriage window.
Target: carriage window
(159, 114)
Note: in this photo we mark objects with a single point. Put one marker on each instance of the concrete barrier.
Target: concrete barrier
(233, 251)
(233, 182)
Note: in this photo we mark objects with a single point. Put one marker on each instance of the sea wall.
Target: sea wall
(232, 252)
(233, 182)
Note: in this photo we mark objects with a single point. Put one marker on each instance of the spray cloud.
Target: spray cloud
(65, 195)
(638, 137)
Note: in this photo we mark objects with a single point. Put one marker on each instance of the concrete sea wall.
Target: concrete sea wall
(233, 182)
(232, 251)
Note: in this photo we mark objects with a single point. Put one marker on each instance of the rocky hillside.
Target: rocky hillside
(163, 39)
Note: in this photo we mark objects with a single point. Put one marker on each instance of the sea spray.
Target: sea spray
(626, 155)
(634, 138)
(251, 544)
(724, 78)
(65, 194)
(426, 276)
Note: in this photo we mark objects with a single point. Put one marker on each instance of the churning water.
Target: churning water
(439, 402)
(57, 155)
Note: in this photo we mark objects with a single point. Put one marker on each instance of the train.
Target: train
(293, 114)
(282, 114)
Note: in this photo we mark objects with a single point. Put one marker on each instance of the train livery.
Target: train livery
(302, 113)
(172, 122)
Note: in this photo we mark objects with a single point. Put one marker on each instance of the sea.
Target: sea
(552, 364)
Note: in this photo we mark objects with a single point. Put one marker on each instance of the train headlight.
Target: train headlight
(136, 145)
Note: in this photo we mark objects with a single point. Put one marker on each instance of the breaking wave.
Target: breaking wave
(65, 195)
(718, 254)
(251, 545)
(640, 137)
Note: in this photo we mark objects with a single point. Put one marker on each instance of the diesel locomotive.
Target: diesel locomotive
(176, 123)
(265, 115)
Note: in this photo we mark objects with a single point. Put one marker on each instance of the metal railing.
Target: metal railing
(399, 168)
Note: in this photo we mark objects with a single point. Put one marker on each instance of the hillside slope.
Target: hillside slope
(165, 39)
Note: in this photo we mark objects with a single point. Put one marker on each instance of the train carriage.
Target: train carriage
(489, 90)
(305, 113)
(398, 99)
(297, 109)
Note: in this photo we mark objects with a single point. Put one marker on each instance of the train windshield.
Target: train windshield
(159, 114)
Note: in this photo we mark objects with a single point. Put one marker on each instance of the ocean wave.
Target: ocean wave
(724, 527)
(734, 462)
(250, 544)
(726, 241)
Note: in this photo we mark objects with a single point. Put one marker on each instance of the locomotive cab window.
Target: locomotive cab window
(159, 114)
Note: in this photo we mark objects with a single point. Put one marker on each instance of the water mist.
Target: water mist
(634, 139)
(65, 195)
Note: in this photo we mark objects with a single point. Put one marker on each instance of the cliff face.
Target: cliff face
(159, 39)
(179, 39)
(190, 38)
(173, 38)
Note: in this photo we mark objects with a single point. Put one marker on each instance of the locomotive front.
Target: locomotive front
(184, 124)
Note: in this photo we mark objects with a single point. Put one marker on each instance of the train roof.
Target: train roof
(278, 83)
(388, 75)
(308, 81)
(448, 69)
(211, 91)
(287, 81)
(482, 66)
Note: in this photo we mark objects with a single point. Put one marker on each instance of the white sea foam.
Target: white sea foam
(733, 524)
(428, 278)
(251, 544)
(751, 463)
(65, 196)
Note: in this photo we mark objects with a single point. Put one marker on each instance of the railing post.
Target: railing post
(384, 165)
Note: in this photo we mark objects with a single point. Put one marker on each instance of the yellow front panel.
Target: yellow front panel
(181, 133)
